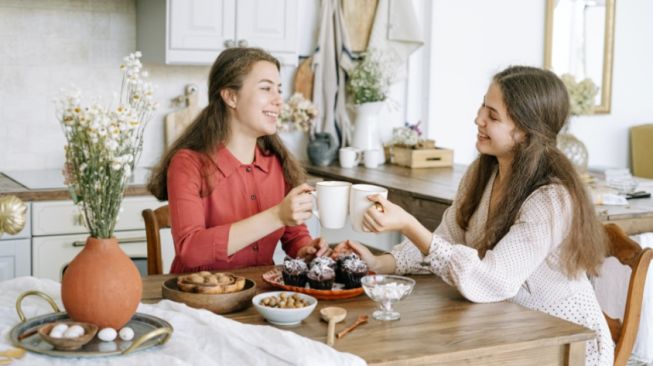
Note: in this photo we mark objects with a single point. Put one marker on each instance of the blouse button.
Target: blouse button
(253, 197)
(248, 169)
(255, 247)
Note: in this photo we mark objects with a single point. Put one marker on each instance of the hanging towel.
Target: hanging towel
(397, 32)
(331, 60)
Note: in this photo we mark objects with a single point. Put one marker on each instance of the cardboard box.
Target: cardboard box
(422, 158)
(641, 150)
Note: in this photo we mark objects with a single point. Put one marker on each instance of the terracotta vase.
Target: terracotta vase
(102, 285)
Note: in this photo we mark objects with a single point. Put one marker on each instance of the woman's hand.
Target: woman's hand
(318, 247)
(385, 216)
(349, 246)
(297, 206)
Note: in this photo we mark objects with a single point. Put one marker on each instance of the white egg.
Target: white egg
(126, 334)
(107, 334)
(59, 328)
(77, 329)
(74, 332)
(54, 334)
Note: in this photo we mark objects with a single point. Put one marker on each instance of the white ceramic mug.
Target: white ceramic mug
(350, 157)
(332, 203)
(358, 202)
(372, 158)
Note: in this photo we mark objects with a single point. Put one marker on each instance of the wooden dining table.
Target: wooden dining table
(437, 326)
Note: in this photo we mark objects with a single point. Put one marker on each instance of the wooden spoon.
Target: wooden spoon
(332, 315)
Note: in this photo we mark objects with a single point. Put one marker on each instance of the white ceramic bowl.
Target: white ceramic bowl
(279, 316)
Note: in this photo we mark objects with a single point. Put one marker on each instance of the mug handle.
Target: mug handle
(315, 213)
(359, 156)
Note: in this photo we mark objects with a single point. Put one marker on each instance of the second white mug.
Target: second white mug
(372, 158)
(358, 202)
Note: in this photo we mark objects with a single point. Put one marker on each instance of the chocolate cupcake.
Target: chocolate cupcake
(353, 270)
(323, 261)
(342, 257)
(294, 272)
(321, 277)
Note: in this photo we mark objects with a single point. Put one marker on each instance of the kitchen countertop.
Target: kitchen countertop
(440, 185)
(429, 184)
(9, 186)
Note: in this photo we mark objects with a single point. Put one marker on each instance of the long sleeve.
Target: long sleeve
(409, 259)
(504, 269)
(294, 238)
(538, 231)
(201, 216)
(195, 244)
(448, 228)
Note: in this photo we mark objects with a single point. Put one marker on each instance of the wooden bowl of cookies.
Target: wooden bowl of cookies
(219, 292)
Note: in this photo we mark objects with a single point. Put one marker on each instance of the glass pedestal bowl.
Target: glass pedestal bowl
(386, 290)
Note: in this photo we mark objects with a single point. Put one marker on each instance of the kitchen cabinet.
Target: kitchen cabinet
(194, 32)
(14, 258)
(15, 252)
(58, 234)
(53, 253)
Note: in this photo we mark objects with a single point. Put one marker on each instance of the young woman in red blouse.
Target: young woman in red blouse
(229, 179)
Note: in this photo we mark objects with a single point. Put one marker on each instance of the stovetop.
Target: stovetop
(53, 178)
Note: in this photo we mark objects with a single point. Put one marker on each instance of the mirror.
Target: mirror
(579, 40)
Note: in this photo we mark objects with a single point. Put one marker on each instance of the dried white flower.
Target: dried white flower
(369, 80)
(581, 94)
(104, 145)
(297, 114)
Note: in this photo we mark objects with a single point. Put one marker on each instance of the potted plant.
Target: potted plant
(102, 285)
(581, 99)
(367, 87)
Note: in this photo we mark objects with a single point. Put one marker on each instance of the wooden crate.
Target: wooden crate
(422, 158)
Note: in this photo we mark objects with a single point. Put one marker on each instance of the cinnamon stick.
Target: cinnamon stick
(362, 319)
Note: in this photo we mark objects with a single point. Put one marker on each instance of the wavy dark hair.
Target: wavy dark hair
(211, 128)
(537, 102)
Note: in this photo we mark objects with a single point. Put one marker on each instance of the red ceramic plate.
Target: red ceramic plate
(275, 278)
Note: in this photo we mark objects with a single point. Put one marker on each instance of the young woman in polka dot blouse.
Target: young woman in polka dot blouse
(522, 227)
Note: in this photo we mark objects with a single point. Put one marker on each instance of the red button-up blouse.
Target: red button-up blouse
(200, 225)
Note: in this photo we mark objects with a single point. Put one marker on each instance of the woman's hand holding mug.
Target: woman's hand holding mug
(296, 207)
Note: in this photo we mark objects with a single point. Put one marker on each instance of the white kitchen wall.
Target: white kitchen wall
(46, 45)
(473, 39)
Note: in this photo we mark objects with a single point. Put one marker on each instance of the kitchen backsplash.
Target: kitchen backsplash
(47, 45)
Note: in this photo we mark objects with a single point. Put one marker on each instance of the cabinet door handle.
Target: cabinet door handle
(242, 43)
(136, 240)
(229, 43)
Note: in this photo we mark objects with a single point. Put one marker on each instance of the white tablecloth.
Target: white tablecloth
(611, 290)
(200, 337)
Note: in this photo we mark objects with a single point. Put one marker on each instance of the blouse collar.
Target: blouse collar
(228, 163)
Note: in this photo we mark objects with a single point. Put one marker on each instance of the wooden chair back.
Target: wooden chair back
(154, 222)
(629, 253)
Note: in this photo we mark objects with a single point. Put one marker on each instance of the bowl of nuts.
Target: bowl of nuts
(284, 307)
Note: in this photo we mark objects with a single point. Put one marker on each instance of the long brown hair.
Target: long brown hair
(537, 102)
(211, 128)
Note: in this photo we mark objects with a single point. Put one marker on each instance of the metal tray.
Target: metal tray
(149, 331)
